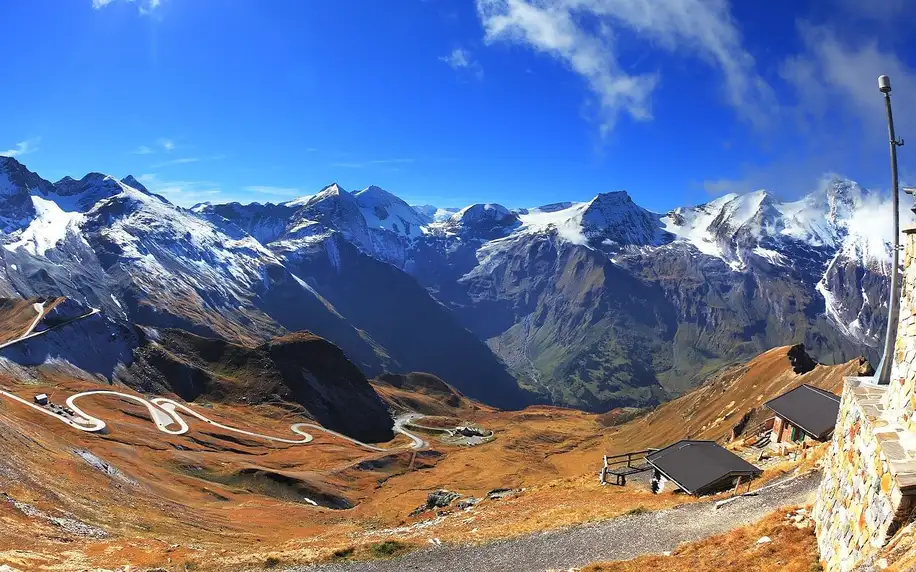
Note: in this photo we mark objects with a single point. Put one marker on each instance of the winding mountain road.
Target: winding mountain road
(166, 414)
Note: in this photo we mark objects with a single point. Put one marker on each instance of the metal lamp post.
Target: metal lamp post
(883, 373)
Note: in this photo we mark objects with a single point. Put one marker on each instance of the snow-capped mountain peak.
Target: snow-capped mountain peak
(473, 214)
(610, 220)
(82, 195)
(839, 214)
(332, 190)
(383, 210)
(15, 178)
(615, 220)
(131, 181)
(432, 213)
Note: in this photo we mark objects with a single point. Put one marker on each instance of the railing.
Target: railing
(755, 431)
(761, 428)
(623, 464)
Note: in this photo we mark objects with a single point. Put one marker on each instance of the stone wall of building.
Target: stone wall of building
(859, 502)
(901, 396)
(868, 487)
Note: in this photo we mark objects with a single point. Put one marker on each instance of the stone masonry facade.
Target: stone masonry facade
(868, 488)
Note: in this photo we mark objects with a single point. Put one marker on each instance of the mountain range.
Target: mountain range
(594, 304)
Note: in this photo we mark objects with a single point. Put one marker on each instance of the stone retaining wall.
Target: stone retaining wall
(859, 502)
(869, 482)
(901, 396)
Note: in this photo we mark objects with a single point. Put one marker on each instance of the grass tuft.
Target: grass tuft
(387, 549)
(343, 553)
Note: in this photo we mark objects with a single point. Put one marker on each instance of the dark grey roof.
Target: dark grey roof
(696, 465)
(812, 409)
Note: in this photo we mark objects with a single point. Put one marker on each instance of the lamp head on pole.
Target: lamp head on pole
(884, 84)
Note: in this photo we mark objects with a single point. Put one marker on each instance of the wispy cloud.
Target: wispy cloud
(462, 60)
(22, 148)
(187, 160)
(834, 73)
(832, 115)
(582, 34)
(143, 6)
(271, 190)
(719, 187)
(162, 144)
(185, 193)
(181, 161)
(361, 164)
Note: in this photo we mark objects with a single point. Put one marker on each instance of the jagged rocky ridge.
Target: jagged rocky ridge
(595, 304)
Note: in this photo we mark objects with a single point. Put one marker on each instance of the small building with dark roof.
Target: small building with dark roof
(700, 467)
(804, 412)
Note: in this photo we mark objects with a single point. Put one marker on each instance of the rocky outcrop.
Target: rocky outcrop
(800, 360)
(301, 369)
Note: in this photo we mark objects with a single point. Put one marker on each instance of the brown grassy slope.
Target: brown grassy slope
(217, 490)
(711, 410)
(424, 393)
(197, 490)
(791, 550)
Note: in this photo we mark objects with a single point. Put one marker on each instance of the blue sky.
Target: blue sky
(450, 102)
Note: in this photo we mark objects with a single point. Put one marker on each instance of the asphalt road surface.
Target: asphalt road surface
(167, 416)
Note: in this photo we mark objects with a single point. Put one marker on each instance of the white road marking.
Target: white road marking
(165, 414)
(163, 411)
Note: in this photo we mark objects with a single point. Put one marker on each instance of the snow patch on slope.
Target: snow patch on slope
(612, 219)
(567, 222)
(384, 211)
(431, 213)
(49, 227)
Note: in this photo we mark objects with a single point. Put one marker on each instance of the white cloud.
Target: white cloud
(22, 148)
(719, 187)
(462, 60)
(270, 190)
(143, 150)
(186, 193)
(167, 144)
(143, 6)
(583, 35)
(834, 74)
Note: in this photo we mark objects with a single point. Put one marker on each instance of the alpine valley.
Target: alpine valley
(592, 305)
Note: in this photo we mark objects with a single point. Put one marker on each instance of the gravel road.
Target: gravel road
(618, 539)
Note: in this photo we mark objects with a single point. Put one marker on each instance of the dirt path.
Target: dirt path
(618, 539)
